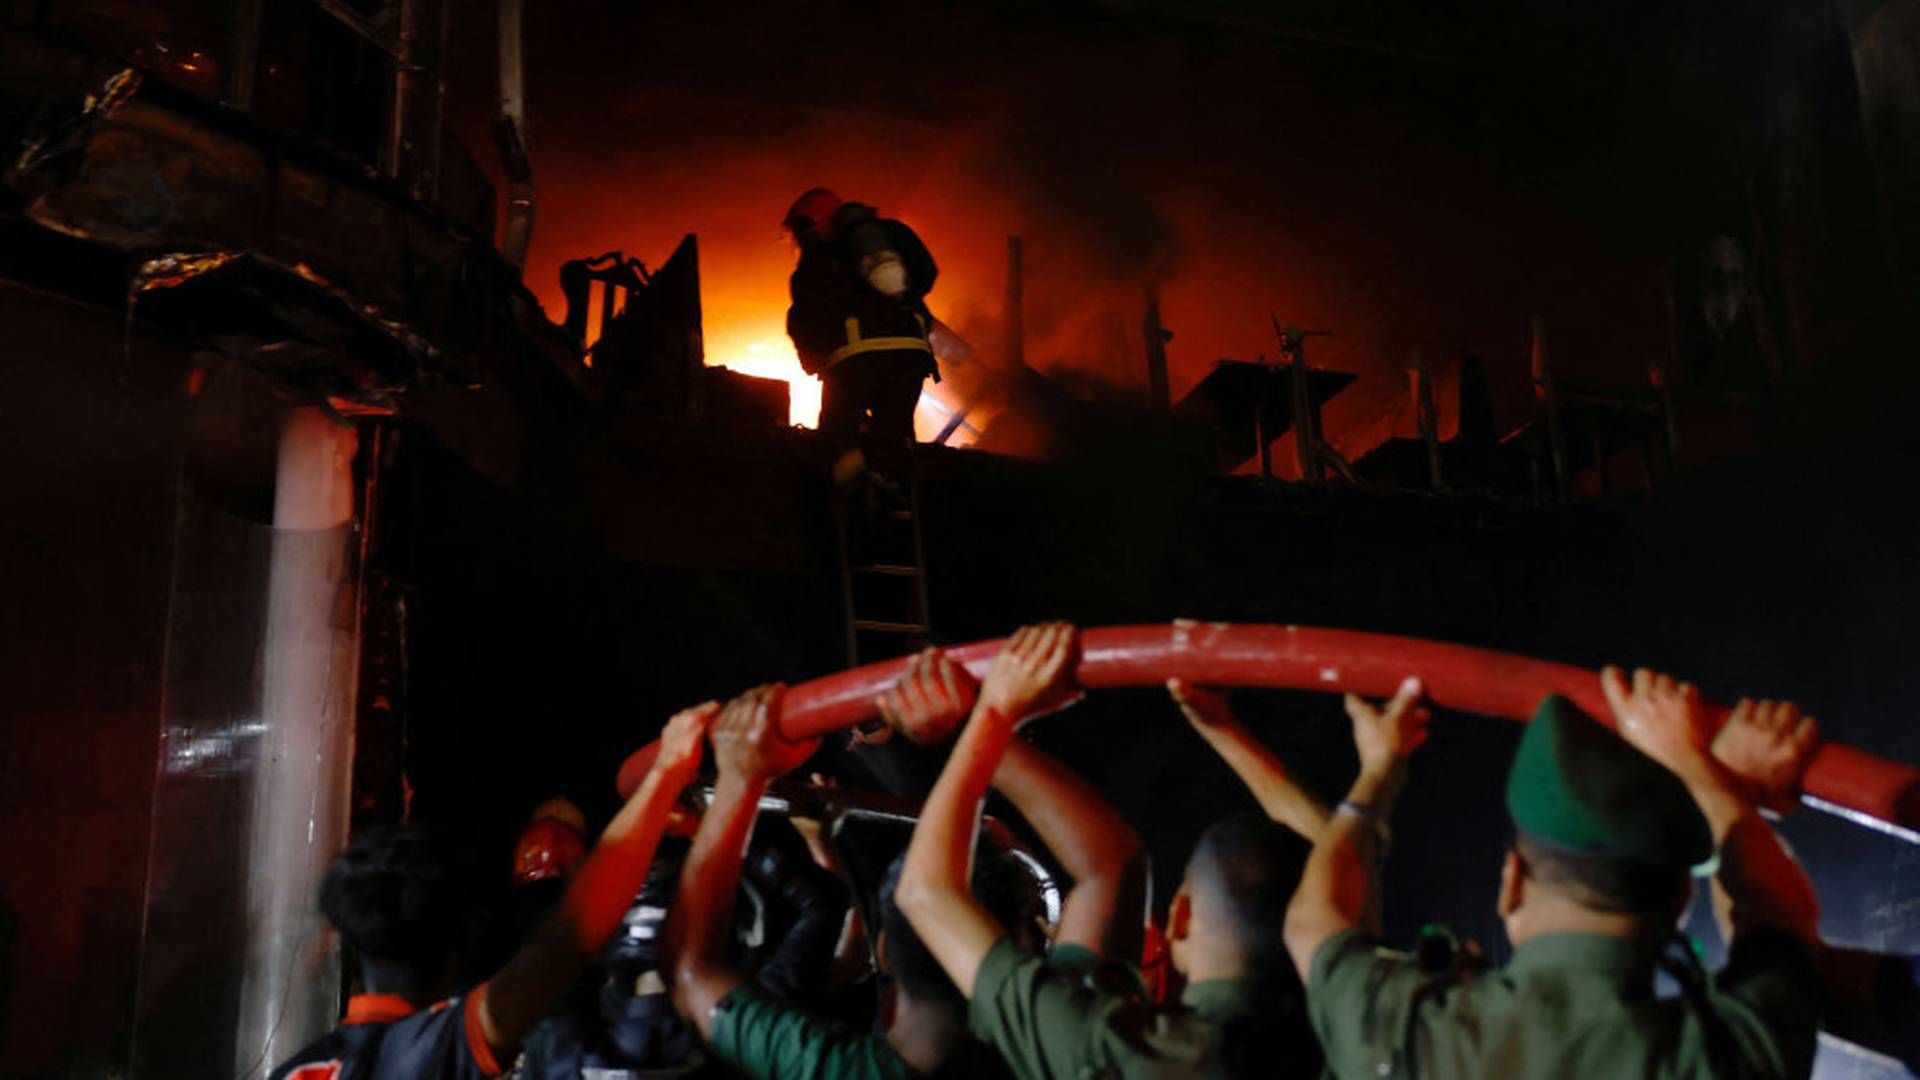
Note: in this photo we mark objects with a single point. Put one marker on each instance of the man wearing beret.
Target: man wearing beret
(1607, 828)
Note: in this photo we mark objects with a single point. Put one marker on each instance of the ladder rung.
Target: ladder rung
(891, 569)
(880, 626)
(900, 515)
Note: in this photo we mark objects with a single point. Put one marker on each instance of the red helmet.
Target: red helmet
(551, 845)
(812, 210)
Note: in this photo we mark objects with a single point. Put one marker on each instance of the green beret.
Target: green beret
(1579, 787)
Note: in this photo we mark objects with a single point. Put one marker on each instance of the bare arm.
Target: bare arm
(693, 944)
(521, 994)
(853, 953)
(1105, 911)
(1280, 796)
(1758, 882)
(749, 750)
(1339, 889)
(934, 891)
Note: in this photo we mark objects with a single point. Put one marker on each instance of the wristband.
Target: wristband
(1383, 836)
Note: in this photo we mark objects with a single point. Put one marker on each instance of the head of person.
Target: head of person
(1002, 885)
(1605, 837)
(1226, 918)
(553, 844)
(635, 1006)
(632, 956)
(810, 217)
(394, 899)
(549, 849)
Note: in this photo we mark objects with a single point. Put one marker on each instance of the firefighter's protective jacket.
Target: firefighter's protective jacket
(836, 313)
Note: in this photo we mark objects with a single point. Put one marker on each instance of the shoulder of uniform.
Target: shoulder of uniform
(1144, 1029)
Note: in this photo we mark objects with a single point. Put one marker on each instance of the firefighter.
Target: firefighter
(859, 320)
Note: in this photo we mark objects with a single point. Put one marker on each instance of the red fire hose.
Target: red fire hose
(1854, 784)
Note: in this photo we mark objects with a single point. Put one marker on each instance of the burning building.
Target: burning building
(403, 419)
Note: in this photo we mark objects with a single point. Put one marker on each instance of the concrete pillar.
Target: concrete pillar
(290, 988)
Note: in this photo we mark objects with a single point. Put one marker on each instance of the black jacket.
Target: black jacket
(829, 289)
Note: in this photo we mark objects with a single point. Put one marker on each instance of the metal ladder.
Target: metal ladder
(883, 581)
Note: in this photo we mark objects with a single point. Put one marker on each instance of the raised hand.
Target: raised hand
(747, 741)
(1767, 745)
(1204, 707)
(1388, 734)
(1033, 673)
(931, 699)
(1662, 718)
(679, 756)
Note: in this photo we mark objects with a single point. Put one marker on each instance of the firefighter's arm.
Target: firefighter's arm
(881, 264)
(521, 994)
(886, 272)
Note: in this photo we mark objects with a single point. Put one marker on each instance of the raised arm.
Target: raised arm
(1340, 886)
(1105, 911)
(853, 951)
(1279, 795)
(1758, 882)
(1033, 671)
(521, 994)
(749, 750)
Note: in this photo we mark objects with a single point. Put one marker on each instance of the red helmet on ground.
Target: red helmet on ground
(812, 210)
(552, 844)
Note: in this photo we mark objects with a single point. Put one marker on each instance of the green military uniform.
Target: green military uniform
(1067, 1017)
(764, 1038)
(1574, 1005)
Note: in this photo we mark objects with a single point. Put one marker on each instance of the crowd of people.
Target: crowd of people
(727, 956)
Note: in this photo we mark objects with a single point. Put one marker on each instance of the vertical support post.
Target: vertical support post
(1159, 396)
(606, 306)
(1759, 259)
(243, 55)
(1016, 323)
(437, 154)
(406, 77)
(1260, 426)
(1429, 420)
(1306, 432)
(378, 786)
(1549, 401)
(512, 132)
(1661, 375)
(290, 983)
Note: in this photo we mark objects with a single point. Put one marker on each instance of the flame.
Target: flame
(751, 350)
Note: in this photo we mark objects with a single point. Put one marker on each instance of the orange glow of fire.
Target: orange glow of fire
(752, 349)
